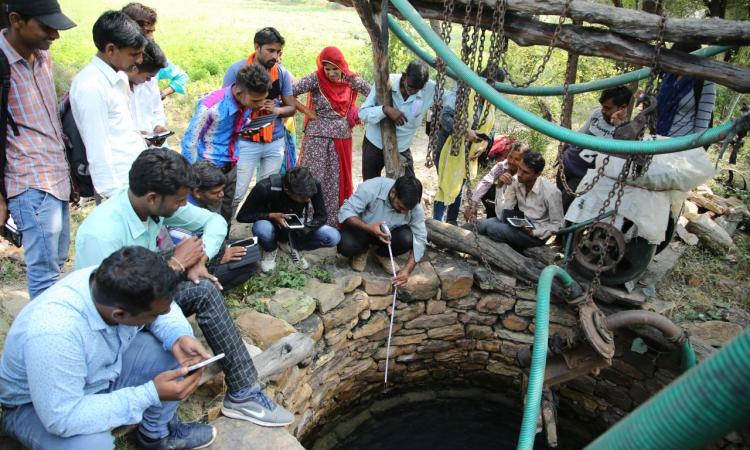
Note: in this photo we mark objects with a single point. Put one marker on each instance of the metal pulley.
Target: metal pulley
(599, 246)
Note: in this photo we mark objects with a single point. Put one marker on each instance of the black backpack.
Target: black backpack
(75, 150)
(5, 117)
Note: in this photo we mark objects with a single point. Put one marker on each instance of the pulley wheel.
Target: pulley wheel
(599, 246)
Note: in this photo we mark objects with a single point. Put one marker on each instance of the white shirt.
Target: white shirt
(100, 101)
(542, 205)
(146, 105)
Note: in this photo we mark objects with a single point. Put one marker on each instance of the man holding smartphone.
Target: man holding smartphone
(35, 184)
(77, 362)
(278, 206)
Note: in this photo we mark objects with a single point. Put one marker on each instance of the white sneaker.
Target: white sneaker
(297, 259)
(268, 263)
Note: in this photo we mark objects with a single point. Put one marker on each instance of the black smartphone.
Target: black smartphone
(244, 242)
(10, 232)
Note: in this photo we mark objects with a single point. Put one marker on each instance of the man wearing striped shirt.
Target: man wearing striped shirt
(37, 177)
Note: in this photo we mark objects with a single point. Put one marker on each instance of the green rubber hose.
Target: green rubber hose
(539, 354)
(696, 410)
(543, 91)
(555, 131)
(688, 355)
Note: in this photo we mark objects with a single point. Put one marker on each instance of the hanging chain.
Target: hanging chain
(503, 7)
(446, 28)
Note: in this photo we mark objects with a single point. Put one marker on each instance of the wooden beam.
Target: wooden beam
(637, 24)
(526, 31)
(382, 84)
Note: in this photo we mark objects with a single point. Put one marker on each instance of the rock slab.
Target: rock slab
(291, 305)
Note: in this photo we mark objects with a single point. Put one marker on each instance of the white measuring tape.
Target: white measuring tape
(384, 229)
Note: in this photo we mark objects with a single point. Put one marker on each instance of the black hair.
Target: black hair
(408, 190)
(417, 73)
(268, 35)
(141, 13)
(153, 58)
(115, 27)
(209, 175)
(300, 181)
(620, 95)
(534, 161)
(132, 278)
(498, 74)
(253, 78)
(162, 171)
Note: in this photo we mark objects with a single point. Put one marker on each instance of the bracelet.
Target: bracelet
(182, 268)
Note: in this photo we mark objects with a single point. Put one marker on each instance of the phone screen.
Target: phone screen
(294, 221)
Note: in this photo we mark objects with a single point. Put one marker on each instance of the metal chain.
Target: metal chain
(446, 28)
(503, 8)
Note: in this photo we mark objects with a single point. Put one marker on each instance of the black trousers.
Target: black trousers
(373, 161)
(355, 241)
(226, 203)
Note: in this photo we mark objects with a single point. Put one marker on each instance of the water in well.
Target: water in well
(448, 424)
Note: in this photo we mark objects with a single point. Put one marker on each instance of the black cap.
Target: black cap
(46, 11)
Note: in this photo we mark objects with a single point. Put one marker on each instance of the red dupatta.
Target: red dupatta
(339, 94)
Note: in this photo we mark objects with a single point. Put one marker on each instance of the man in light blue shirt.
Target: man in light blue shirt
(413, 94)
(160, 181)
(78, 361)
(383, 201)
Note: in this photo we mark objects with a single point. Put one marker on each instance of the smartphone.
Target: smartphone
(163, 135)
(10, 232)
(245, 242)
(520, 222)
(294, 221)
(194, 367)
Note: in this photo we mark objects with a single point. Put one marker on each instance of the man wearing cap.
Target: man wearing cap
(35, 185)
(269, 205)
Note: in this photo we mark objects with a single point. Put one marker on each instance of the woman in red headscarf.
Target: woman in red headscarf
(332, 113)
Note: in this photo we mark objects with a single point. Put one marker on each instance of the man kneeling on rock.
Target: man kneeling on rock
(396, 204)
(272, 205)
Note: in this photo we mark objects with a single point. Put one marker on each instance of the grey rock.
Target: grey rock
(327, 296)
(291, 305)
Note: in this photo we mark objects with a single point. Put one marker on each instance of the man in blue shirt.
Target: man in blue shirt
(214, 130)
(79, 362)
(160, 181)
(264, 149)
(413, 94)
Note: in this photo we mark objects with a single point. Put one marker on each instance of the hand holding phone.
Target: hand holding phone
(294, 222)
(195, 367)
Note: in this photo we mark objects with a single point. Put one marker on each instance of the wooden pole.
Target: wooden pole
(393, 168)
(571, 72)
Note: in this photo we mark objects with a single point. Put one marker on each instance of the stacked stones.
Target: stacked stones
(446, 331)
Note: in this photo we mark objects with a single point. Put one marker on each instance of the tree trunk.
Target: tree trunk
(498, 254)
(716, 8)
(393, 168)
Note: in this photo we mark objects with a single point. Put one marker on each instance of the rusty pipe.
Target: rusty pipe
(671, 331)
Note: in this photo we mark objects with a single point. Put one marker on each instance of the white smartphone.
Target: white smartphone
(194, 367)
(294, 221)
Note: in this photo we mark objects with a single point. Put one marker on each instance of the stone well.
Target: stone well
(448, 333)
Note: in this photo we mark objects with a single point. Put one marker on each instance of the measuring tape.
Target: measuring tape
(384, 229)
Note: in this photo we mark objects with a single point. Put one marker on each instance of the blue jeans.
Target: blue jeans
(45, 223)
(267, 156)
(269, 233)
(141, 362)
(438, 209)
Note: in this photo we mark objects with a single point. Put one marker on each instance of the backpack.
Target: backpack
(75, 150)
(5, 117)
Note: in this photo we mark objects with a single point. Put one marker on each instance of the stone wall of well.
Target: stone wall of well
(446, 330)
